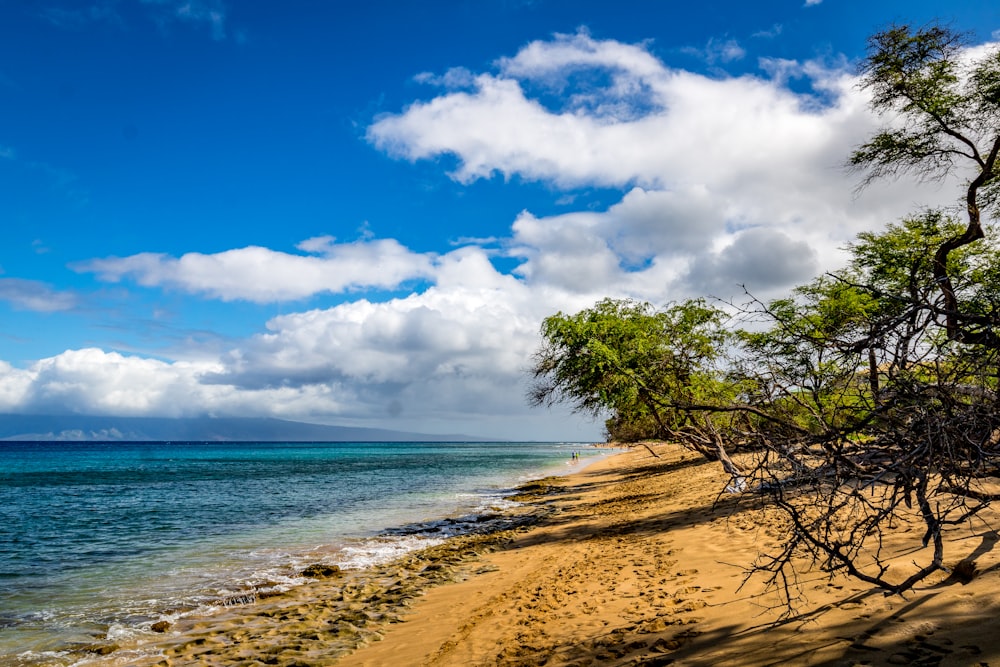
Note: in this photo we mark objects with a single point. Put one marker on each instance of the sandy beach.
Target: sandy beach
(635, 561)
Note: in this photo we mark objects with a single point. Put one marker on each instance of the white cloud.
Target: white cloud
(727, 51)
(541, 60)
(262, 275)
(89, 381)
(701, 160)
(724, 181)
(450, 359)
(475, 321)
(92, 381)
(454, 79)
(650, 126)
(774, 31)
(33, 295)
(719, 51)
(639, 247)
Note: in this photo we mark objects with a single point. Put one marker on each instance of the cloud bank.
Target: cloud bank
(725, 183)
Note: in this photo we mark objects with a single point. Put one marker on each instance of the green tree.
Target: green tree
(896, 423)
(948, 120)
(866, 403)
(891, 365)
(653, 371)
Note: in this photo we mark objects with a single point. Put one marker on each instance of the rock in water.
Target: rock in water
(160, 626)
(320, 571)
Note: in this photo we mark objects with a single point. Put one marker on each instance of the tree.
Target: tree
(867, 402)
(652, 370)
(950, 118)
(892, 365)
(899, 422)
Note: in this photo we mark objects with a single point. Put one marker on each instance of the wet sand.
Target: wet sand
(635, 561)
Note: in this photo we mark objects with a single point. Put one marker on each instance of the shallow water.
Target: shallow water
(99, 540)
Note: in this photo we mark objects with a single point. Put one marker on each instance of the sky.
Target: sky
(359, 213)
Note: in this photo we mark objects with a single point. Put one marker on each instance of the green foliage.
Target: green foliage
(868, 397)
(900, 259)
(632, 427)
(946, 112)
(899, 420)
(630, 360)
(837, 340)
(917, 74)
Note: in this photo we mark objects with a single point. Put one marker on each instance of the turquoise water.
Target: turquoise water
(100, 540)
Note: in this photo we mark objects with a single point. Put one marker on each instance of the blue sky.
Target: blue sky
(359, 213)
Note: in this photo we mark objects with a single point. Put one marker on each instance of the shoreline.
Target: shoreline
(634, 560)
(449, 541)
(159, 555)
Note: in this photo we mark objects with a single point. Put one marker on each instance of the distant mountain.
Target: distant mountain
(226, 429)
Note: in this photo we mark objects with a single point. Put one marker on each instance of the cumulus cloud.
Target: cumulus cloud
(700, 160)
(453, 354)
(628, 64)
(724, 181)
(92, 381)
(262, 275)
(393, 345)
(750, 262)
(649, 125)
(475, 325)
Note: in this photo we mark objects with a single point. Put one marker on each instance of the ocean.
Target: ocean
(101, 540)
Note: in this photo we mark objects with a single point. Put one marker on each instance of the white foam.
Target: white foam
(119, 632)
(121, 657)
(380, 550)
(40, 657)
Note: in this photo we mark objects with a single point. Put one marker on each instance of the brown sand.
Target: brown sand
(634, 563)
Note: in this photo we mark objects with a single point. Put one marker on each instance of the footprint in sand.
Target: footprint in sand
(922, 653)
(915, 630)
